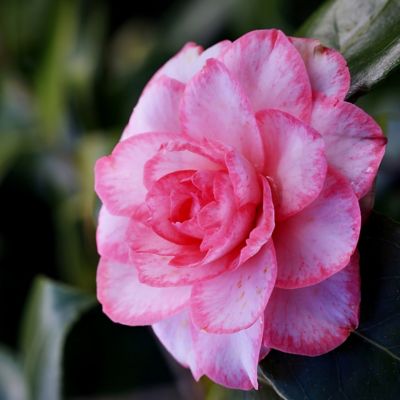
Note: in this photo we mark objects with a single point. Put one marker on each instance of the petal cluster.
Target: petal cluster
(231, 215)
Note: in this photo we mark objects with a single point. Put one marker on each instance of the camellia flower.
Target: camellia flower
(231, 214)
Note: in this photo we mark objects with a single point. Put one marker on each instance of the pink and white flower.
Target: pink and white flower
(231, 214)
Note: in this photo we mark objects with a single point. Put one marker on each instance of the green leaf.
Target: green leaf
(52, 309)
(366, 32)
(367, 365)
(12, 385)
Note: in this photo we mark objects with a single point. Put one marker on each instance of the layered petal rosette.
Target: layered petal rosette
(231, 215)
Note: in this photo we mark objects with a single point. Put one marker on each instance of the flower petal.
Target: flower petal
(127, 301)
(178, 156)
(230, 359)
(294, 160)
(271, 72)
(319, 241)
(214, 107)
(244, 179)
(158, 201)
(119, 177)
(190, 60)
(326, 67)
(225, 225)
(316, 319)
(175, 333)
(354, 141)
(264, 352)
(264, 226)
(155, 270)
(157, 108)
(234, 300)
(152, 256)
(183, 65)
(216, 51)
(142, 239)
(111, 236)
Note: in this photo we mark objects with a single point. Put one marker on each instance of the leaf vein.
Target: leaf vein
(377, 345)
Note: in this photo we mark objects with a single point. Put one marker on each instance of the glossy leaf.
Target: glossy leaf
(51, 311)
(367, 365)
(12, 385)
(366, 32)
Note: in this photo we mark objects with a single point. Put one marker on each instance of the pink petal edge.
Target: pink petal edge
(354, 142)
(214, 107)
(314, 320)
(319, 241)
(234, 300)
(326, 67)
(295, 161)
(127, 301)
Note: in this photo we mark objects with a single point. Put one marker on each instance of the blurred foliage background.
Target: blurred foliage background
(70, 73)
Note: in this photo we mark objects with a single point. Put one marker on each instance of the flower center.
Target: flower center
(200, 208)
(182, 211)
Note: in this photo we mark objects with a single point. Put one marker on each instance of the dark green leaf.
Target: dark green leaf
(367, 365)
(51, 311)
(265, 392)
(12, 385)
(366, 32)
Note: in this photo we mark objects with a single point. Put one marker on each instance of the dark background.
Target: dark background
(70, 74)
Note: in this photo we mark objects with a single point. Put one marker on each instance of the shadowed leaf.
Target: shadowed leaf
(12, 385)
(51, 311)
(367, 365)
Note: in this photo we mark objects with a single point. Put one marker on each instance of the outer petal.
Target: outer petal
(316, 319)
(119, 177)
(111, 236)
(294, 160)
(271, 71)
(216, 51)
(157, 106)
(214, 107)
(183, 65)
(127, 301)
(319, 241)
(354, 141)
(326, 67)
(157, 109)
(230, 359)
(264, 352)
(190, 60)
(175, 333)
(234, 300)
